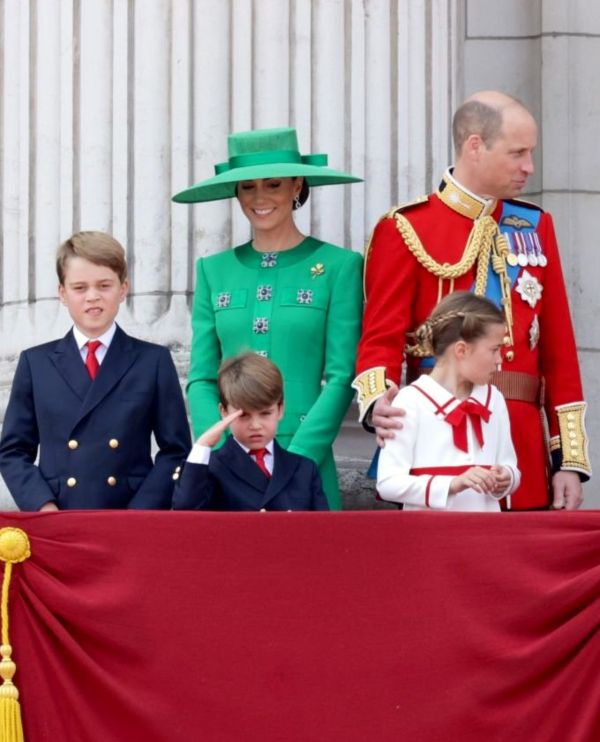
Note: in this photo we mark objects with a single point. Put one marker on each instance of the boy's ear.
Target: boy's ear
(222, 410)
(281, 409)
(124, 289)
(61, 293)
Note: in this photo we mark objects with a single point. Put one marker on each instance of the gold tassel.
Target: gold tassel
(14, 548)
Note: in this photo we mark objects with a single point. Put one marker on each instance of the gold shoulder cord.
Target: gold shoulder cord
(483, 238)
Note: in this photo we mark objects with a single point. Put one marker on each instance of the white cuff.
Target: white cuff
(199, 454)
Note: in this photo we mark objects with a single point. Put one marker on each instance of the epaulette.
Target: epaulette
(408, 205)
(524, 203)
(388, 215)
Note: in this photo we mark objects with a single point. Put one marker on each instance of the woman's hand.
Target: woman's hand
(213, 435)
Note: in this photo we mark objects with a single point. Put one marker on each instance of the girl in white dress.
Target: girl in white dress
(454, 451)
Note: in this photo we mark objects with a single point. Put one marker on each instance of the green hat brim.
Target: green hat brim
(224, 185)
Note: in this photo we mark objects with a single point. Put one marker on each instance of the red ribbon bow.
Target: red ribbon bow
(475, 411)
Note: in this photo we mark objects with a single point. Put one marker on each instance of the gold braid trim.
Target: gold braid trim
(478, 248)
(370, 385)
(499, 266)
(573, 438)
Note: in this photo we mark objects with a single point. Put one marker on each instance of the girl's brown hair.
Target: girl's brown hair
(459, 316)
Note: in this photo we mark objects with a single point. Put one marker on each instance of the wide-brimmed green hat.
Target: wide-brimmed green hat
(263, 153)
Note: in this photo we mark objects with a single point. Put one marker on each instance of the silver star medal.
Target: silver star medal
(529, 288)
(534, 333)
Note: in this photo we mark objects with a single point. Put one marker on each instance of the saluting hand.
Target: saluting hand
(213, 435)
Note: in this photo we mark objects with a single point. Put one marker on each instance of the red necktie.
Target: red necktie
(475, 411)
(259, 455)
(91, 362)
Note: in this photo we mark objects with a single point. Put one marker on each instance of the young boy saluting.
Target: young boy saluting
(92, 400)
(251, 471)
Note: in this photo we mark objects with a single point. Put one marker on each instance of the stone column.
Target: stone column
(108, 108)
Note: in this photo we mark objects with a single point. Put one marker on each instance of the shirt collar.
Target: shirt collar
(105, 338)
(442, 397)
(269, 446)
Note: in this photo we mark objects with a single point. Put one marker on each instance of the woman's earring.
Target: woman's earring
(297, 203)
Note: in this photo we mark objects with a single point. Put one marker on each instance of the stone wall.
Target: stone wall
(546, 53)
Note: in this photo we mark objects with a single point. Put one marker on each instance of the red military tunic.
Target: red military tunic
(401, 290)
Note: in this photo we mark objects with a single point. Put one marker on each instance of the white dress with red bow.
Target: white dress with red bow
(442, 437)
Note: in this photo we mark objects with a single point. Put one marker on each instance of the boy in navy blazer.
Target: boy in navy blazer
(92, 400)
(251, 471)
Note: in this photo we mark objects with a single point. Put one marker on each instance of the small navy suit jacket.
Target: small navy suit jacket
(233, 481)
(94, 438)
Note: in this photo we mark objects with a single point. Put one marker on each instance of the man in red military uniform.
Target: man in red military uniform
(473, 235)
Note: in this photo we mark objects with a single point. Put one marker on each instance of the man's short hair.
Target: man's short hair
(97, 247)
(474, 117)
(249, 381)
(484, 119)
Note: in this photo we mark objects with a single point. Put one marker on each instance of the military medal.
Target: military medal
(542, 259)
(511, 257)
(522, 250)
(531, 249)
(534, 333)
(529, 288)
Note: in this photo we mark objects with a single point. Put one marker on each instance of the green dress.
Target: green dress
(302, 309)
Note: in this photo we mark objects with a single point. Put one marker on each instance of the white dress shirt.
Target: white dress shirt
(201, 454)
(105, 339)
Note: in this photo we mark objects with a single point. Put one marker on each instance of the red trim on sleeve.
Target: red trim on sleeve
(427, 491)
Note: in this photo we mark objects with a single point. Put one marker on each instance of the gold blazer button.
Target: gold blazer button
(111, 481)
(113, 443)
(73, 444)
(71, 482)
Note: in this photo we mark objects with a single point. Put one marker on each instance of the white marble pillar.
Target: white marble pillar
(108, 108)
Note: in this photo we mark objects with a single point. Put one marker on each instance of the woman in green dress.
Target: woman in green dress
(292, 298)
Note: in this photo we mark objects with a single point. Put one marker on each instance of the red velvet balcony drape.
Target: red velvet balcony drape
(302, 627)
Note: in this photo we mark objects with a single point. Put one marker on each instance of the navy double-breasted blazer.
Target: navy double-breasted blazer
(232, 481)
(94, 437)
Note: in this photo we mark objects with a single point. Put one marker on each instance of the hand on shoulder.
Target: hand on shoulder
(385, 416)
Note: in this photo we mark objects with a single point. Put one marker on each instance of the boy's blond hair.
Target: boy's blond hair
(249, 381)
(97, 247)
